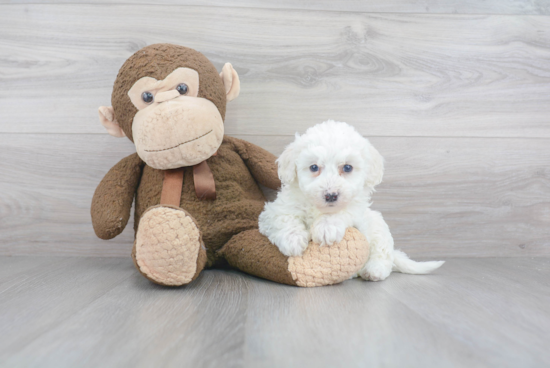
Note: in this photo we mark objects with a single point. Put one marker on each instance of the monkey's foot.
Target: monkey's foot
(168, 249)
(332, 264)
(253, 253)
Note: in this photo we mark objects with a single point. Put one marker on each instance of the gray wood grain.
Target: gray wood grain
(441, 196)
(101, 312)
(355, 324)
(388, 6)
(390, 74)
(52, 292)
(46, 189)
(139, 324)
(502, 310)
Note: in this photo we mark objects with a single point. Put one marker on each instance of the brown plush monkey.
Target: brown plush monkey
(197, 199)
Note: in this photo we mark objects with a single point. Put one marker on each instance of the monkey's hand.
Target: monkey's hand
(113, 197)
(260, 162)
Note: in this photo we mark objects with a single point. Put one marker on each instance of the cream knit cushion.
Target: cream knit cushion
(327, 265)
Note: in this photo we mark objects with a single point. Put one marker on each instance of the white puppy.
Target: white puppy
(328, 177)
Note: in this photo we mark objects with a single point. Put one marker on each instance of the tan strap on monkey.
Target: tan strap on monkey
(205, 187)
(171, 187)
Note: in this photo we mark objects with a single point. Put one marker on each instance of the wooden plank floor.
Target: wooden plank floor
(99, 312)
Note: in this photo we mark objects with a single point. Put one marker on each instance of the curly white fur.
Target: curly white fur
(304, 209)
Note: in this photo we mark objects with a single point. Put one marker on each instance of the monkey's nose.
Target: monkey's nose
(331, 197)
(165, 96)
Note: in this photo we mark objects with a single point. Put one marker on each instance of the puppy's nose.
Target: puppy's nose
(332, 197)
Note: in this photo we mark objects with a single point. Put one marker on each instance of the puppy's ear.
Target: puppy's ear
(376, 166)
(287, 162)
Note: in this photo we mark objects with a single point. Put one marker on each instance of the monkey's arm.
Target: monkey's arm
(113, 197)
(261, 163)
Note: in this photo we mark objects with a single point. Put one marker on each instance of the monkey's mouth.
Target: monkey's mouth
(182, 143)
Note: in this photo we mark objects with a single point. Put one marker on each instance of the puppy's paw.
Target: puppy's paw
(376, 270)
(294, 243)
(326, 233)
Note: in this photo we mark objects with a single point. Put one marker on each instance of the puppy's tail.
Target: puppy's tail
(402, 263)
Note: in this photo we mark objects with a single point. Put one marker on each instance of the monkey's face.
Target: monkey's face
(170, 101)
(173, 126)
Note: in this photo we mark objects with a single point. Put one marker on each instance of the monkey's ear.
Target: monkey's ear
(108, 120)
(231, 82)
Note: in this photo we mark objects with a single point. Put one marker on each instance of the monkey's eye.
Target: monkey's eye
(147, 97)
(348, 168)
(314, 168)
(182, 88)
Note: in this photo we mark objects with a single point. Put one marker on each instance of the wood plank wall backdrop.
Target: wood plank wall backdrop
(454, 94)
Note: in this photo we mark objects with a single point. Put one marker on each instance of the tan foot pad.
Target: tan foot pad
(327, 265)
(168, 245)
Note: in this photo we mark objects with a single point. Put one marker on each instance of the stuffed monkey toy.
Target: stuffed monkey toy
(196, 192)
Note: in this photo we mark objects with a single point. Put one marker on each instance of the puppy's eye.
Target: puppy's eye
(348, 168)
(182, 88)
(314, 168)
(147, 97)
